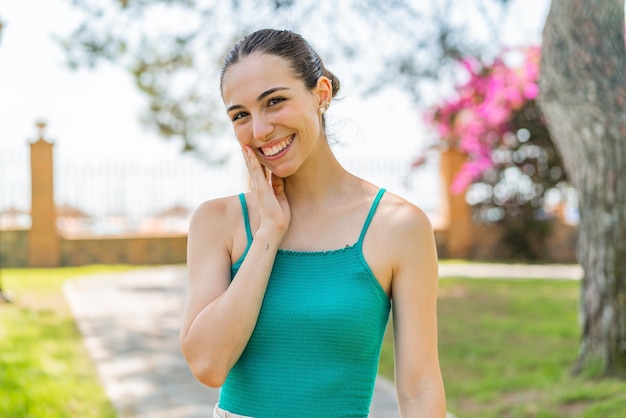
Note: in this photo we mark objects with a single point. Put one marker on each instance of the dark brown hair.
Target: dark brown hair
(305, 62)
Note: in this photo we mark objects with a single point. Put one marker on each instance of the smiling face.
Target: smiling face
(273, 112)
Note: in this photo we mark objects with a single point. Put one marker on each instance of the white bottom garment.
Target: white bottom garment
(221, 413)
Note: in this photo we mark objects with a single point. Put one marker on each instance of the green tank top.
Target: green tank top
(315, 348)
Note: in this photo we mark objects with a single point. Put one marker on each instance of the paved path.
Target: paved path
(511, 271)
(130, 322)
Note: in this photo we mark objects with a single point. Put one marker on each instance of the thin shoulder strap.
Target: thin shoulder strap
(370, 215)
(246, 218)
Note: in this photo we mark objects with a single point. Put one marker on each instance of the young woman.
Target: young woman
(291, 284)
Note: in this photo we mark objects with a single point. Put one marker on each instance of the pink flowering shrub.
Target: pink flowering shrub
(480, 116)
(511, 161)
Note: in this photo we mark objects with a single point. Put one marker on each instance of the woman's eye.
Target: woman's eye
(274, 101)
(239, 115)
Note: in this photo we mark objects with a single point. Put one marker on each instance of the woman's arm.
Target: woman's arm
(414, 290)
(220, 315)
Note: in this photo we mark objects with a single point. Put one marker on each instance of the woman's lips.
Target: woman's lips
(278, 148)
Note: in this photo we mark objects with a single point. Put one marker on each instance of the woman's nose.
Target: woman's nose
(261, 127)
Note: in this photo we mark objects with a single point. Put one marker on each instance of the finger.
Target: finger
(246, 159)
(255, 169)
(253, 163)
(246, 156)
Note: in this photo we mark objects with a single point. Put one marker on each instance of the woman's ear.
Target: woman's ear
(324, 91)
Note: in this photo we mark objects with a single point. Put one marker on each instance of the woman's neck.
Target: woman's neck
(321, 178)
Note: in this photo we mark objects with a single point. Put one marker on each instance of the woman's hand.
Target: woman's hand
(272, 202)
(218, 304)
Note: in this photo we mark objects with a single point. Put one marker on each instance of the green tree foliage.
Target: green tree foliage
(173, 48)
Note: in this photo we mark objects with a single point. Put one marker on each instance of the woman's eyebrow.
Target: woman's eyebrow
(261, 97)
(270, 91)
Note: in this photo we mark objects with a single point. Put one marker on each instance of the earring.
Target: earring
(324, 108)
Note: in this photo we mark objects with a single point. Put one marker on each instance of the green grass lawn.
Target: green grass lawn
(45, 370)
(506, 348)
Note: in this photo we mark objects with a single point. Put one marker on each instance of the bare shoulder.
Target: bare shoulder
(215, 207)
(403, 219)
(407, 233)
(400, 242)
(215, 213)
(215, 224)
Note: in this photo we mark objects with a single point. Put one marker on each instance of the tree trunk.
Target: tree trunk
(583, 97)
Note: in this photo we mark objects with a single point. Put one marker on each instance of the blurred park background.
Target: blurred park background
(132, 159)
(112, 132)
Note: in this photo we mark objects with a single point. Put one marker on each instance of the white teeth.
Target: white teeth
(271, 151)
